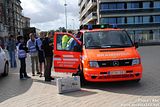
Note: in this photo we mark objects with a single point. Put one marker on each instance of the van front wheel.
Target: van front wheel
(82, 79)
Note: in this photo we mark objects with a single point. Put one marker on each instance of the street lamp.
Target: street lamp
(73, 23)
(66, 13)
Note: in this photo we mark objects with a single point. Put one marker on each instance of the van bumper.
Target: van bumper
(113, 74)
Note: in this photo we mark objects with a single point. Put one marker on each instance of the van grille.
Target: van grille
(114, 63)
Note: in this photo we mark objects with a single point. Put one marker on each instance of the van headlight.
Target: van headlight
(93, 64)
(135, 61)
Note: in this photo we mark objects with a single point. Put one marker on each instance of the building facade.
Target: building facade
(3, 26)
(141, 18)
(25, 22)
(12, 18)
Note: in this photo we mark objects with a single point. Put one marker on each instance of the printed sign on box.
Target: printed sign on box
(68, 84)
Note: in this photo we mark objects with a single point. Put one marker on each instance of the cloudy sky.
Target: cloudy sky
(49, 14)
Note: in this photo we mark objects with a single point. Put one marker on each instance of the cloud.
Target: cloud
(50, 12)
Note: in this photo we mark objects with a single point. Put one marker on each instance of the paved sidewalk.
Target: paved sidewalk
(35, 92)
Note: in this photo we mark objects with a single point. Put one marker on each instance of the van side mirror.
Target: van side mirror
(136, 44)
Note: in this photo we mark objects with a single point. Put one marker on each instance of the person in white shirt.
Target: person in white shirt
(31, 44)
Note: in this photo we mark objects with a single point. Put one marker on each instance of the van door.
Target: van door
(67, 53)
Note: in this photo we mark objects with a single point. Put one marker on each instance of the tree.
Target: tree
(62, 29)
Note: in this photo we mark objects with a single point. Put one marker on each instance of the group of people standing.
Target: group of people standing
(40, 50)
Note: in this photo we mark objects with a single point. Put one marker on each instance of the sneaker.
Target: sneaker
(27, 77)
(38, 73)
(52, 78)
(47, 80)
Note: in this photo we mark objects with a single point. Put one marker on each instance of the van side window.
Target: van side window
(67, 43)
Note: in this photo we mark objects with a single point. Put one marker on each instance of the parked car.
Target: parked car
(4, 64)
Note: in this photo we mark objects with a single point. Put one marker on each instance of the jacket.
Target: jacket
(48, 49)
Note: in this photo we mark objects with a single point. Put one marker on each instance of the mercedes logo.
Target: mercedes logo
(115, 63)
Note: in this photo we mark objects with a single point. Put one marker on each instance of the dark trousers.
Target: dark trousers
(47, 73)
(22, 67)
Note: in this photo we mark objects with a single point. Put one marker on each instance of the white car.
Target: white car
(4, 64)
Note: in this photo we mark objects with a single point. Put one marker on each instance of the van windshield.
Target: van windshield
(107, 39)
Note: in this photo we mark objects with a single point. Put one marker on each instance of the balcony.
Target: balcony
(91, 4)
(92, 16)
(82, 3)
(79, 2)
(9, 6)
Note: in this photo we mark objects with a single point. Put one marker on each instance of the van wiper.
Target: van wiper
(95, 47)
(116, 46)
(120, 46)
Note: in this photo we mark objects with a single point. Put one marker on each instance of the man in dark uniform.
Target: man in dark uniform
(47, 46)
(40, 52)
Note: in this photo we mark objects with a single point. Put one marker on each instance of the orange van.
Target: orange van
(98, 55)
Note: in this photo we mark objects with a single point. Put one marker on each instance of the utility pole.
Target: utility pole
(66, 13)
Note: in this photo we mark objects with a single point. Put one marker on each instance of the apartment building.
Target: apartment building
(141, 18)
(11, 17)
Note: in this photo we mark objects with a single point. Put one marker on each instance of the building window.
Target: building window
(146, 19)
(156, 34)
(120, 20)
(112, 6)
(104, 6)
(130, 20)
(108, 20)
(120, 6)
(112, 21)
(133, 5)
(157, 4)
(131, 34)
(156, 19)
(146, 5)
(104, 20)
(151, 35)
(138, 20)
(138, 36)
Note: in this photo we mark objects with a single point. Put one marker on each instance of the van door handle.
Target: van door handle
(57, 56)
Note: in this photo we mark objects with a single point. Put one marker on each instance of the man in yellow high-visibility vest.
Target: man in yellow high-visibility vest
(65, 39)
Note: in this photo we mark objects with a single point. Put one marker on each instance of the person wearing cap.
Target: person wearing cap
(22, 54)
(31, 44)
(47, 46)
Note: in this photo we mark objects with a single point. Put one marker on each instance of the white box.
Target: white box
(68, 84)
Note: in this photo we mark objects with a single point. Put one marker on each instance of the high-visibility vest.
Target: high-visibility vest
(32, 49)
(21, 53)
(32, 46)
(65, 39)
